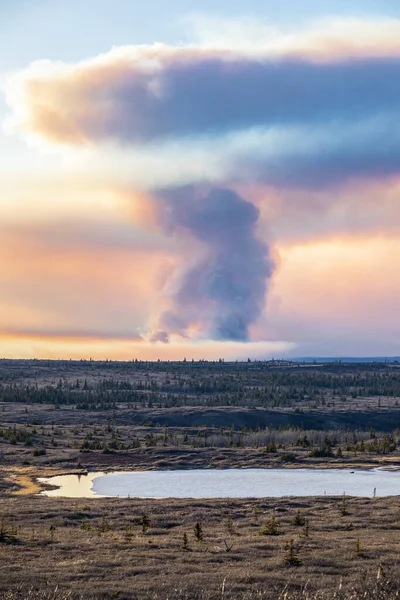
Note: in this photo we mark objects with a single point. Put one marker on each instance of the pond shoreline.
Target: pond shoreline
(23, 480)
(226, 483)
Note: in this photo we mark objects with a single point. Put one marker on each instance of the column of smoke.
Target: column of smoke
(223, 291)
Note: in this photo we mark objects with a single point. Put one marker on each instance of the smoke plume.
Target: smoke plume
(223, 290)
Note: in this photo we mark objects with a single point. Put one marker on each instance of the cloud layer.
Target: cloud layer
(138, 95)
(304, 109)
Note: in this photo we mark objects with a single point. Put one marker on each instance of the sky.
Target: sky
(186, 179)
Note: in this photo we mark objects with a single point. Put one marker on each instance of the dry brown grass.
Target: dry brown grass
(370, 588)
(98, 548)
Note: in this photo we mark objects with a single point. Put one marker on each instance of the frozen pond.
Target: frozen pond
(228, 483)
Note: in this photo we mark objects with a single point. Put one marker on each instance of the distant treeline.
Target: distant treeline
(167, 385)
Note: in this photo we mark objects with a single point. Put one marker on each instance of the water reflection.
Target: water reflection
(71, 486)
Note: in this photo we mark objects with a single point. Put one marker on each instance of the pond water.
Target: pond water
(227, 483)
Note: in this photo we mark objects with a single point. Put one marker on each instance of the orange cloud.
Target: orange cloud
(337, 296)
(71, 284)
(348, 278)
(67, 337)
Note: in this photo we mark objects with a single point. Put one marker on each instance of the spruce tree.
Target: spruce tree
(198, 532)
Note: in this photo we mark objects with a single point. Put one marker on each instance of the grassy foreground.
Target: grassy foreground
(115, 548)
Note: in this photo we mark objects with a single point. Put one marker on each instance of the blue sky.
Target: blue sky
(60, 30)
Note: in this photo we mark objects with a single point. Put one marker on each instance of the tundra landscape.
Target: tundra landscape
(62, 417)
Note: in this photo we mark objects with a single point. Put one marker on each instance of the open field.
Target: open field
(59, 417)
(100, 547)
